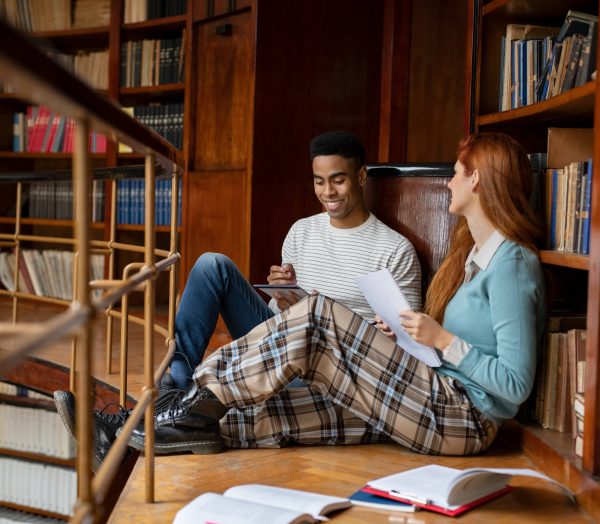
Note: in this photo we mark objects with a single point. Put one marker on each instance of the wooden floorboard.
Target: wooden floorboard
(335, 471)
(331, 470)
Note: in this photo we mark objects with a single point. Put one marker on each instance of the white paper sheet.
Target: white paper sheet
(386, 299)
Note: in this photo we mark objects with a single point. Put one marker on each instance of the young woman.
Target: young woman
(484, 314)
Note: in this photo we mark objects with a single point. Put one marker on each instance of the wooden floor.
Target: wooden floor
(331, 470)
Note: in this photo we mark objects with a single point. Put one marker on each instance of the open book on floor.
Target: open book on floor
(258, 504)
(450, 491)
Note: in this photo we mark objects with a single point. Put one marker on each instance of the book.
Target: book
(369, 500)
(285, 291)
(386, 299)
(259, 503)
(451, 491)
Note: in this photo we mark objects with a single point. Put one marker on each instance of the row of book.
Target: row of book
(90, 66)
(568, 200)
(54, 200)
(13, 516)
(40, 130)
(35, 430)
(12, 390)
(131, 201)
(152, 62)
(46, 272)
(140, 10)
(36, 485)
(165, 119)
(561, 372)
(35, 15)
(539, 62)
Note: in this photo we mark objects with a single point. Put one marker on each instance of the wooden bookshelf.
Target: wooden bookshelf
(578, 107)
(571, 260)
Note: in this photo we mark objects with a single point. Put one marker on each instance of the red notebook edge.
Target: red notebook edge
(439, 509)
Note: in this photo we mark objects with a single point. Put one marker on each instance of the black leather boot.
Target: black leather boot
(190, 422)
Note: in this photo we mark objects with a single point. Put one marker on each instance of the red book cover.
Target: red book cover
(439, 509)
(39, 129)
(49, 138)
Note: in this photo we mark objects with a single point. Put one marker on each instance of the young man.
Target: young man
(324, 253)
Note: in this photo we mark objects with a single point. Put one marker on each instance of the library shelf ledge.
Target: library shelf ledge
(140, 227)
(37, 457)
(36, 511)
(143, 94)
(177, 22)
(12, 155)
(523, 11)
(575, 107)
(76, 38)
(553, 453)
(571, 260)
(47, 222)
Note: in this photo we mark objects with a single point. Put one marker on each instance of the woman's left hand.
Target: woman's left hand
(425, 329)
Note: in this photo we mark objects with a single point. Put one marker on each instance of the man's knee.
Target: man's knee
(209, 262)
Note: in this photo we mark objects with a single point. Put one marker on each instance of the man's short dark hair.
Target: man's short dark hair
(339, 143)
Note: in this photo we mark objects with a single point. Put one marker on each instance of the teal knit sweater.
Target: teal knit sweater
(500, 314)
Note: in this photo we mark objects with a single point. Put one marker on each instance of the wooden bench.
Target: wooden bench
(413, 199)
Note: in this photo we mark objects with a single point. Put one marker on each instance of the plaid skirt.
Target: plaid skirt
(360, 387)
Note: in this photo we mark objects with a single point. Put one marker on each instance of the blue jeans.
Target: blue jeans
(215, 285)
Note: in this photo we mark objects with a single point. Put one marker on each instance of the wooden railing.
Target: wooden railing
(38, 80)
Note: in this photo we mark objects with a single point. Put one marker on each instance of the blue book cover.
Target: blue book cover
(586, 210)
(368, 500)
(502, 59)
(552, 235)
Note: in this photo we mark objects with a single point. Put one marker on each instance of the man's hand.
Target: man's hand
(285, 274)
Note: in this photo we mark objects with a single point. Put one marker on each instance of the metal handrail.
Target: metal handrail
(42, 81)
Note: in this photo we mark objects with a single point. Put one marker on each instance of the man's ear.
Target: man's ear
(362, 175)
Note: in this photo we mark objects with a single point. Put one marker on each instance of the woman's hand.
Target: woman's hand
(424, 329)
(384, 328)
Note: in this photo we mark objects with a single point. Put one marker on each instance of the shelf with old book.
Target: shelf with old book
(36, 453)
(557, 124)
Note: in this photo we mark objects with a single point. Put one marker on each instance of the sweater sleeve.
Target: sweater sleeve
(406, 270)
(513, 293)
(288, 256)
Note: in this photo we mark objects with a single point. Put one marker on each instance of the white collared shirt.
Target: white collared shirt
(478, 259)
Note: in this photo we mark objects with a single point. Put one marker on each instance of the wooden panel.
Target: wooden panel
(317, 68)
(224, 67)
(394, 81)
(217, 216)
(417, 207)
(436, 96)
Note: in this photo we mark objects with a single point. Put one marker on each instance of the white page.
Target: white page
(303, 501)
(386, 299)
(211, 507)
(435, 483)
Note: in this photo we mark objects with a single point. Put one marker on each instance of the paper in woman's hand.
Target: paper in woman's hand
(386, 299)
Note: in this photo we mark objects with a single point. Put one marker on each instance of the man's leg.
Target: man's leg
(215, 285)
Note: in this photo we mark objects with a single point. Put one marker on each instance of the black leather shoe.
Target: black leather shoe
(189, 422)
(65, 405)
(104, 431)
(104, 425)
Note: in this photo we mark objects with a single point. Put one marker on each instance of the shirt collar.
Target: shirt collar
(484, 256)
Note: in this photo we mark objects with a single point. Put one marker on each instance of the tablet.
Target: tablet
(286, 291)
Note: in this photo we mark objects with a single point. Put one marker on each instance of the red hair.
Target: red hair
(505, 185)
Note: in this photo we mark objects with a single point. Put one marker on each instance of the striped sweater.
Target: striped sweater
(327, 259)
